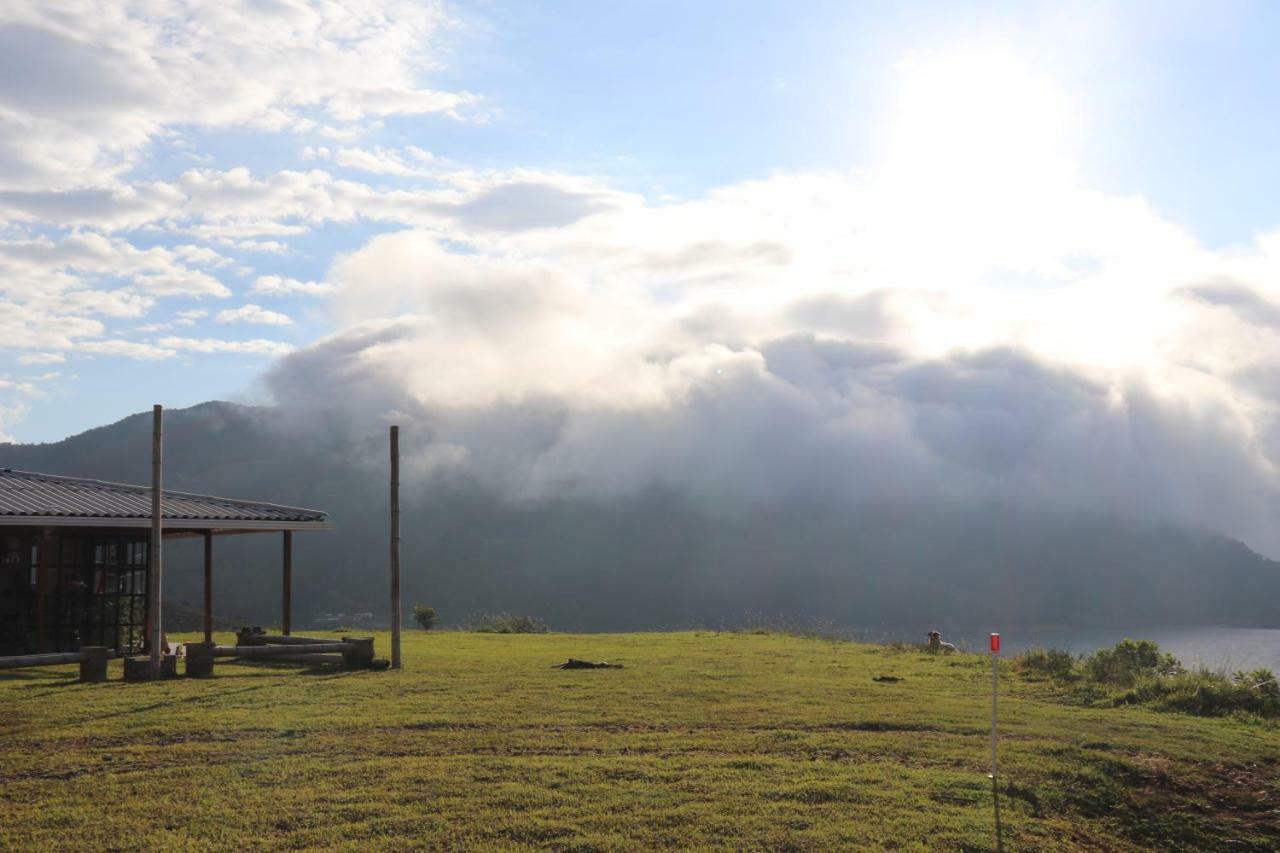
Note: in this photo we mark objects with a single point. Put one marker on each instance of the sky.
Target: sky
(1002, 238)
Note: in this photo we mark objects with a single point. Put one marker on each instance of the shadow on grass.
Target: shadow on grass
(154, 706)
(264, 668)
(171, 703)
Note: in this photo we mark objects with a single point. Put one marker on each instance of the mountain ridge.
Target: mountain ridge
(654, 559)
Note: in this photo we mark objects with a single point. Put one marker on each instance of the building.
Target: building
(75, 561)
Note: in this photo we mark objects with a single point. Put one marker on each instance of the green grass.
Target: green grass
(712, 740)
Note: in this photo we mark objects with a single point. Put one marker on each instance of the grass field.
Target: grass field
(711, 740)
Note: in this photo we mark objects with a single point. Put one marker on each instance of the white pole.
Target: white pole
(153, 576)
(995, 683)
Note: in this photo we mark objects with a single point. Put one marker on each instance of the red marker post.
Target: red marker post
(995, 682)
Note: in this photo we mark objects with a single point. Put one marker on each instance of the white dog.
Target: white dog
(936, 644)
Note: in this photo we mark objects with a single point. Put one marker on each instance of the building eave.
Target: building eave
(174, 525)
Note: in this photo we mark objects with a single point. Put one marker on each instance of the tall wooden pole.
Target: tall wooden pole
(287, 592)
(395, 547)
(153, 576)
(208, 586)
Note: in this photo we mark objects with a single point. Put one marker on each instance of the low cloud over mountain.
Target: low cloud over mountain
(629, 547)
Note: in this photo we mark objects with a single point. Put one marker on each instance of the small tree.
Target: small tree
(424, 616)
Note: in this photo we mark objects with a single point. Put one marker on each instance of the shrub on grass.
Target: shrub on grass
(505, 623)
(424, 616)
(1049, 663)
(1130, 661)
(1136, 672)
(1261, 680)
(1208, 695)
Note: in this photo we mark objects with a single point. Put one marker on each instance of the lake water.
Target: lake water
(1215, 648)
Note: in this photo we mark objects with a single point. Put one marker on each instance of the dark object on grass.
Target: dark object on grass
(379, 664)
(574, 663)
(888, 679)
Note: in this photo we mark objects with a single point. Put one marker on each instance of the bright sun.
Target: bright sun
(978, 121)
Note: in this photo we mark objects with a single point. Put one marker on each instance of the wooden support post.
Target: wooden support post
(154, 553)
(287, 592)
(395, 547)
(42, 587)
(208, 586)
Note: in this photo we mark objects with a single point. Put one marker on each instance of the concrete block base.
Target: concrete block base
(139, 668)
(362, 657)
(199, 659)
(94, 667)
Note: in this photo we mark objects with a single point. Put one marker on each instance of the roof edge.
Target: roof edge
(163, 491)
(247, 525)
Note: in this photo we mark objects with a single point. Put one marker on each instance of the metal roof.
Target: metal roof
(31, 498)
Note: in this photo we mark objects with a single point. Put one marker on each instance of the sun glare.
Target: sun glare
(978, 122)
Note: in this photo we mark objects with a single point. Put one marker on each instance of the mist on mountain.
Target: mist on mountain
(656, 556)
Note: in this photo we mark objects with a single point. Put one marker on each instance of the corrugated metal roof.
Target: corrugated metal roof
(29, 495)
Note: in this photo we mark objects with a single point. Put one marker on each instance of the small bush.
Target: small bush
(424, 616)
(1130, 661)
(1049, 663)
(505, 623)
(1206, 694)
(1261, 680)
(1136, 672)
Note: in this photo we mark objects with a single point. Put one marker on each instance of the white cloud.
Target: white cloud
(852, 332)
(257, 346)
(962, 319)
(274, 247)
(116, 207)
(181, 320)
(410, 161)
(201, 255)
(22, 387)
(126, 349)
(236, 208)
(99, 81)
(55, 291)
(38, 325)
(255, 314)
(86, 257)
(11, 413)
(42, 358)
(274, 285)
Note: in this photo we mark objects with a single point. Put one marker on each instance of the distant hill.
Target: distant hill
(654, 560)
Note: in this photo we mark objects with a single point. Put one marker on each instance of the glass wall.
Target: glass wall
(71, 589)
